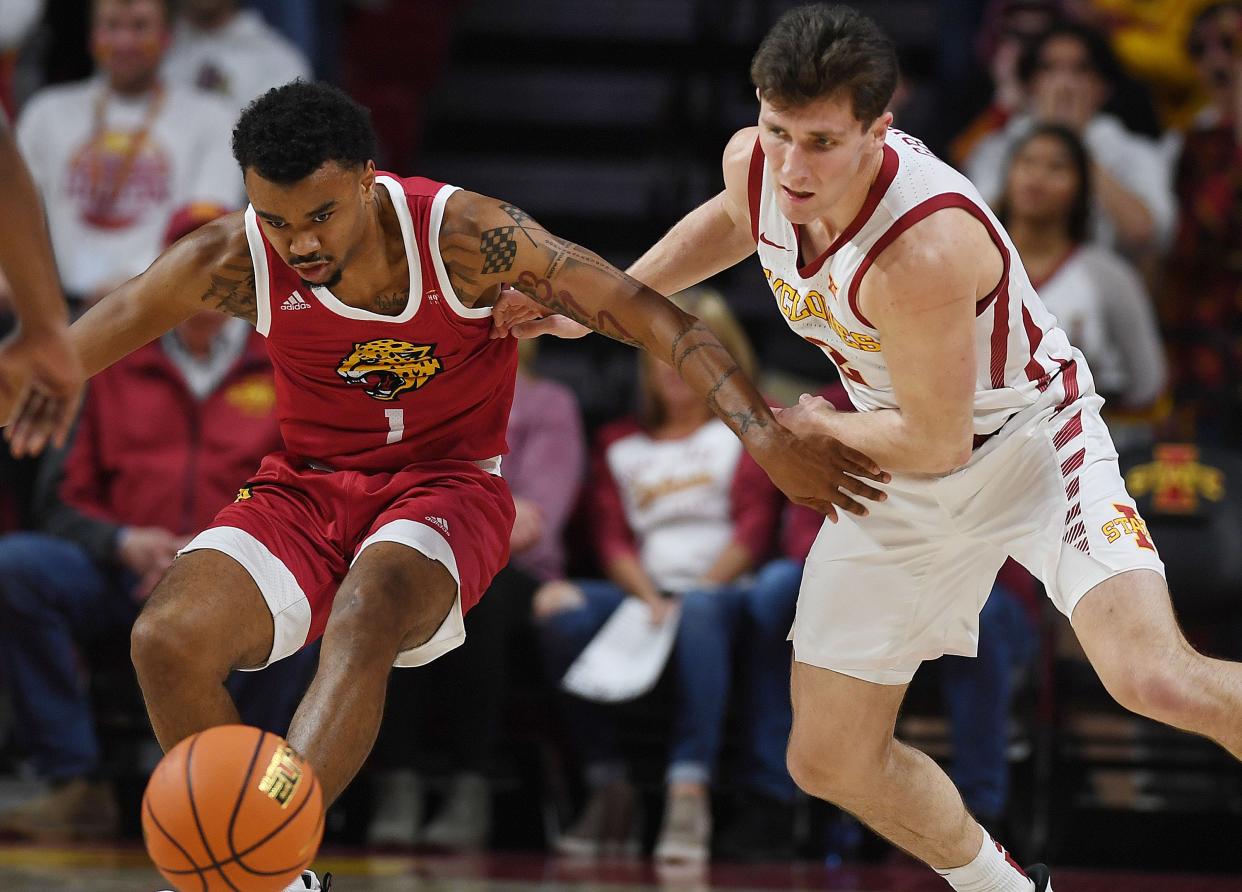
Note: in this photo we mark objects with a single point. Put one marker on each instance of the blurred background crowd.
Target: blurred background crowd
(1107, 134)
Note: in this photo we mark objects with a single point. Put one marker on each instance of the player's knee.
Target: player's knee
(556, 597)
(1157, 689)
(829, 767)
(162, 644)
(388, 603)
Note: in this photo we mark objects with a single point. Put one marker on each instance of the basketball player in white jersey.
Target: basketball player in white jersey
(889, 261)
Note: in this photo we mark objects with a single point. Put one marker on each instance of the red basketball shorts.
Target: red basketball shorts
(297, 529)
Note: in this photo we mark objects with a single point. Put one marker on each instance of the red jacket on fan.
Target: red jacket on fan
(148, 453)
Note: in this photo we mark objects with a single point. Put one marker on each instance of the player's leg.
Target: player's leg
(205, 618)
(1129, 632)
(842, 750)
(394, 598)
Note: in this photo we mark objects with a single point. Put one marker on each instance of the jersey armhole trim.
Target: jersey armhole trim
(916, 214)
(755, 188)
(262, 282)
(437, 262)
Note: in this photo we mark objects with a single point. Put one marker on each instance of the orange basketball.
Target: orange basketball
(232, 808)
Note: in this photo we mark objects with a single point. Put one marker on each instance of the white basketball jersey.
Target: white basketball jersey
(1022, 356)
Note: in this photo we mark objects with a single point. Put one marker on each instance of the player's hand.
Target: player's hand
(516, 314)
(40, 386)
(557, 326)
(815, 469)
(528, 525)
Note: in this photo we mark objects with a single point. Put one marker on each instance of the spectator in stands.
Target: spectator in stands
(1009, 28)
(115, 155)
(681, 513)
(459, 699)
(166, 436)
(1097, 297)
(19, 19)
(230, 52)
(1069, 72)
(1201, 296)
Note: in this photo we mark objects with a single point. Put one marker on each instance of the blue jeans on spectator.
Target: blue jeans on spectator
(711, 620)
(977, 694)
(53, 595)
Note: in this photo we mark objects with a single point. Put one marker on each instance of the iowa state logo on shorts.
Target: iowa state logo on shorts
(387, 368)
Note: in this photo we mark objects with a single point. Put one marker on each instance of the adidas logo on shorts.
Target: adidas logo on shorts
(295, 302)
(439, 523)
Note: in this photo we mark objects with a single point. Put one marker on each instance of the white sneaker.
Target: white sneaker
(398, 810)
(308, 882)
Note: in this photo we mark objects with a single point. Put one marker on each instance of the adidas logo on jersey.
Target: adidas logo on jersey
(295, 302)
(439, 523)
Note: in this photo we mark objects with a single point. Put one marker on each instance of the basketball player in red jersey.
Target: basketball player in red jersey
(386, 517)
(39, 372)
(889, 261)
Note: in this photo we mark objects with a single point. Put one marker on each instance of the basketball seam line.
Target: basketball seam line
(202, 834)
(151, 811)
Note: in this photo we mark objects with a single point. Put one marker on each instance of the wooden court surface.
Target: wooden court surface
(38, 869)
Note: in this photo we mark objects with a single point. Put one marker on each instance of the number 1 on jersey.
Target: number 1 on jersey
(396, 424)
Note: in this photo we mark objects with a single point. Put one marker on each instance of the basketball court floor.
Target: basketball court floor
(35, 869)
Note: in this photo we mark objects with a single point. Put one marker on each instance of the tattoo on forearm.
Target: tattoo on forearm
(564, 302)
(232, 291)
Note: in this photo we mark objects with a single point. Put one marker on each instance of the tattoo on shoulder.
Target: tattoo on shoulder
(232, 290)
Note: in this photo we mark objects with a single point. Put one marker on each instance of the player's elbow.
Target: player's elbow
(950, 455)
(944, 450)
(947, 452)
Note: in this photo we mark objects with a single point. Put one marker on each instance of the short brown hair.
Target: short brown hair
(819, 50)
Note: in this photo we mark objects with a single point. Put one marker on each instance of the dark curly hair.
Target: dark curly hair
(291, 131)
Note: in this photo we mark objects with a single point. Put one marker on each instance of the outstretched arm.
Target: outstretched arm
(37, 368)
(209, 269)
(486, 243)
(713, 237)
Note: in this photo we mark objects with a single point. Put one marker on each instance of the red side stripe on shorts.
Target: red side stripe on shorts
(1073, 512)
(755, 188)
(1068, 431)
(1071, 489)
(1073, 463)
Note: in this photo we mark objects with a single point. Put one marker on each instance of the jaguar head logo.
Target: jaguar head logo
(387, 368)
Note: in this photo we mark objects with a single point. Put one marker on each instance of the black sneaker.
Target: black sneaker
(1039, 876)
(760, 829)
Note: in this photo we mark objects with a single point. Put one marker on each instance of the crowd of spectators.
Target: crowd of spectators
(1113, 158)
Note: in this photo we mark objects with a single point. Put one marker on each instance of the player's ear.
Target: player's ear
(368, 181)
(879, 127)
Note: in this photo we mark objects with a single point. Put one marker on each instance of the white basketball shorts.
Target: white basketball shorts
(882, 593)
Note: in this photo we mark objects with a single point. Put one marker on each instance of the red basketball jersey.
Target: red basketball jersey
(358, 390)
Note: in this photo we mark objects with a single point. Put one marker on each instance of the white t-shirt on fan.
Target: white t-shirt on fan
(108, 205)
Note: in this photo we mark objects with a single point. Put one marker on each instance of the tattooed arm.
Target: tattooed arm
(486, 243)
(209, 269)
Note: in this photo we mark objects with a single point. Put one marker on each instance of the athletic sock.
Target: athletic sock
(993, 870)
